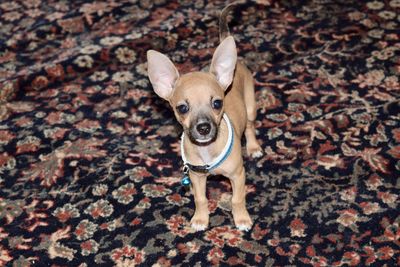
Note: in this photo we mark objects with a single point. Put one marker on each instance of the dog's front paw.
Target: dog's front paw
(242, 220)
(244, 224)
(199, 222)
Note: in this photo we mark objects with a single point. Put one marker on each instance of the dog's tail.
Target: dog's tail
(391, 108)
(223, 23)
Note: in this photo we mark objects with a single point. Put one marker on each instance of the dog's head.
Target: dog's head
(197, 97)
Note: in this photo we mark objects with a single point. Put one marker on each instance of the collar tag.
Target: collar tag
(185, 181)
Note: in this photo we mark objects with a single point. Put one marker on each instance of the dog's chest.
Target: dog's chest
(205, 154)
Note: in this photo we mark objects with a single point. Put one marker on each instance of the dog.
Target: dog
(214, 108)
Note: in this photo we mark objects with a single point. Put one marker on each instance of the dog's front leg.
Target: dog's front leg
(200, 219)
(240, 215)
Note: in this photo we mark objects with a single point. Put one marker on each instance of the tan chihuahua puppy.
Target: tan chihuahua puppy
(215, 109)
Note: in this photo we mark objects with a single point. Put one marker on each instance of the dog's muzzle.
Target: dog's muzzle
(203, 131)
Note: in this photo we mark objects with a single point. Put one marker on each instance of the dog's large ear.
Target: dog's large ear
(162, 73)
(224, 62)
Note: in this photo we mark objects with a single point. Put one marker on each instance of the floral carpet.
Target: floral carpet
(89, 156)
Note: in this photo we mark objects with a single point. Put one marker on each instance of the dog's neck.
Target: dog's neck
(202, 155)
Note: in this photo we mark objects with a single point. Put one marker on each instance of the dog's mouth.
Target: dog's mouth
(202, 141)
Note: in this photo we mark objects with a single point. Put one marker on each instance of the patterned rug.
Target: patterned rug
(89, 155)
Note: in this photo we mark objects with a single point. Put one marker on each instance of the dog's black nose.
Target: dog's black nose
(203, 128)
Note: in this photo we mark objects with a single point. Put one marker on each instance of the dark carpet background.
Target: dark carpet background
(89, 155)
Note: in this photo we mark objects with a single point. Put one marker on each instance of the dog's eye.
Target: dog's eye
(217, 104)
(182, 109)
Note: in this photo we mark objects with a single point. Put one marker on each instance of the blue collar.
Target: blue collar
(218, 160)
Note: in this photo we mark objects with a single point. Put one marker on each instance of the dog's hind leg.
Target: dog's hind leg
(252, 146)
